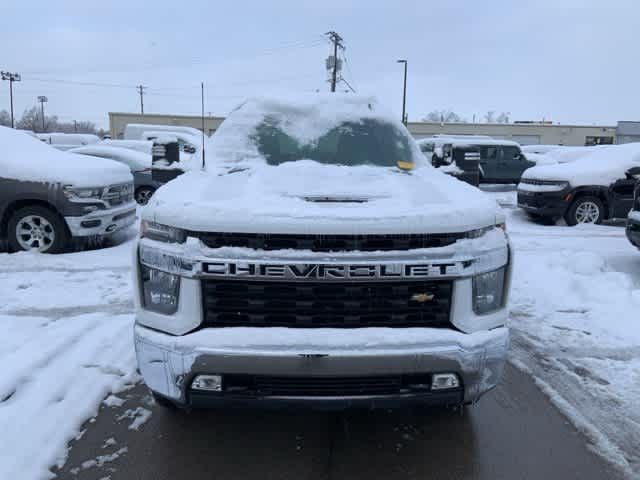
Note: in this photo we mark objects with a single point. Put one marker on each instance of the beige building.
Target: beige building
(118, 121)
(523, 133)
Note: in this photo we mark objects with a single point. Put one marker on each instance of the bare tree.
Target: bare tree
(5, 118)
(489, 117)
(446, 116)
(32, 120)
(503, 118)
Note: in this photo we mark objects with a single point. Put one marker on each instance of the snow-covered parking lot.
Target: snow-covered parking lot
(67, 338)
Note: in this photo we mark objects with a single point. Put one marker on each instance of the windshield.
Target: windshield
(367, 142)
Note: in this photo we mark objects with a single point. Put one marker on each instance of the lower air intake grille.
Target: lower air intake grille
(320, 304)
(321, 386)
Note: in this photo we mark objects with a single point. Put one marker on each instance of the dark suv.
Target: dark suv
(633, 223)
(499, 161)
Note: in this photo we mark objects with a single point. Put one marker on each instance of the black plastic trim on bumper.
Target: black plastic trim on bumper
(543, 203)
(198, 399)
(633, 232)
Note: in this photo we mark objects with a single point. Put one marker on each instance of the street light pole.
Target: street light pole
(12, 77)
(42, 99)
(404, 93)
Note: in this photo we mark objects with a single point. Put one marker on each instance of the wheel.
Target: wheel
(143, 194)
(37, 228)
(586, 209)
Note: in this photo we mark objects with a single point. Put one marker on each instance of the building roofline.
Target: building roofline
(171, 115)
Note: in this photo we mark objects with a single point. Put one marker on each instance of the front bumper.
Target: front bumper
(633, 231)
(170, 363)
(546, 204)
(102, 222)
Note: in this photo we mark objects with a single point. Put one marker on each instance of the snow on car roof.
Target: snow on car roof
(29, 159)
(599, 166)
(132, 157)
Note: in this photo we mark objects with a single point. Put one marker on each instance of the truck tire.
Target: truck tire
(37, 228)
(585, 209)
(143, 194)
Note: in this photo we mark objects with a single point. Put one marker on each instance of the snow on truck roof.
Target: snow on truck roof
(304, 119)
(597, 166)
(29, 159)
(256, 194)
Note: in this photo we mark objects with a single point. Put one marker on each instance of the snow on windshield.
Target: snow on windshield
(304, 122)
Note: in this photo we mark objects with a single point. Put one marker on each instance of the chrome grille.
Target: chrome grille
(120, 194)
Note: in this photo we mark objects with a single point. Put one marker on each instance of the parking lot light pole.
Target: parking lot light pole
(11, 77)
(404, 92)
(42, 99)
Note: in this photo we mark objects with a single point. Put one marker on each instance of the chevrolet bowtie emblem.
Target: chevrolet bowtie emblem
(422, 297)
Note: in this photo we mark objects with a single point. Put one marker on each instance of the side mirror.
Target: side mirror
(633, 173)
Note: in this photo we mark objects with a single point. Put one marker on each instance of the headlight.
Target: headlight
(160, 290)
(82, 193)
(161, 233)
(488, 291)
(532, 185)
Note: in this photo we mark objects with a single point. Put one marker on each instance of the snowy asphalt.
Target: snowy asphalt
(514, 432)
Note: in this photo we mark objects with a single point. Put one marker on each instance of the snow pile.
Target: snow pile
(66, 346)
(600, 166)
(26, 158)
(575, 326)
(581, 293)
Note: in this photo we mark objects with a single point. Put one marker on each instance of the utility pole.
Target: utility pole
(337, 42)
(141, 89)
(404, 93)
(42, 99)
(75, 126)
(12, 77)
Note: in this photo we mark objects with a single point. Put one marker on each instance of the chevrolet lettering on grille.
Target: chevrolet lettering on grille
(328, 271)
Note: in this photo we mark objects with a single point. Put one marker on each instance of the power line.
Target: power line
(346, 62)
(73, 82)
(194, 60)
(347, 83)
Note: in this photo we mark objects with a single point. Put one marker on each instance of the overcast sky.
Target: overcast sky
(571, 61)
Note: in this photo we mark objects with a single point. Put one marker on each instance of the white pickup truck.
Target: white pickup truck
(318, 259)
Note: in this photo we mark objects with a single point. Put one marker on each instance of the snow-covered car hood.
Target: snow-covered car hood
(23, 157)
(601, 166)
(308, 197)
(135, 160)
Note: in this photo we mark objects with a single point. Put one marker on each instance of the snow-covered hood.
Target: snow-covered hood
(308, 197)
(602, 166)
(23, 157)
